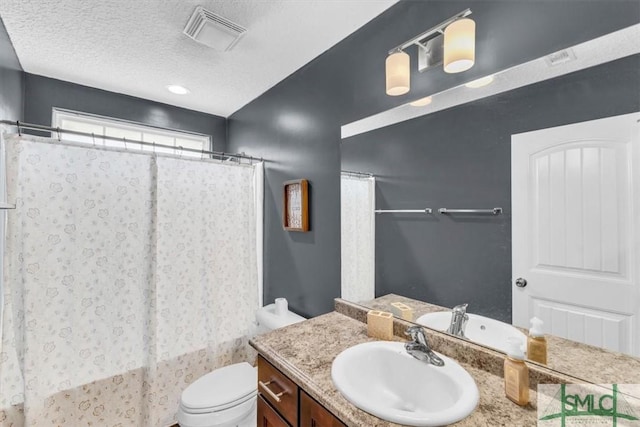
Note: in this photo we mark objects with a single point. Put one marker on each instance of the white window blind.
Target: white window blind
(129, 132)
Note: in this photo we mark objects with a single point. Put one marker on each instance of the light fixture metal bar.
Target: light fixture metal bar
(437, 29)
(431, 53)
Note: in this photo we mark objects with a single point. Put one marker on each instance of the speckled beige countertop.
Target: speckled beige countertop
(589, 363)
(305, 351)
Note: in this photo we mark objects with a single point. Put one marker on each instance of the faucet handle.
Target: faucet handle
(419, 347)
(413, 331)
(417, 335)
(462, 308)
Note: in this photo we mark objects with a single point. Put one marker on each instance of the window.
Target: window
(130, 133)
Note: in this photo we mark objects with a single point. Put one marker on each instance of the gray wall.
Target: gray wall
(461, 158)
(296, 124)
(11, 99)
(42, 94)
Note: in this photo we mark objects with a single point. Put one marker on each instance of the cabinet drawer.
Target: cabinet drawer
(278, 390)
(267, 417)
(312, 414)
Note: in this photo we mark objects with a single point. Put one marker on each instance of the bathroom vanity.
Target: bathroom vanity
(294, 364)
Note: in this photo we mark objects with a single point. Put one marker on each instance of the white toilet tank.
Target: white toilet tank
(274, 316)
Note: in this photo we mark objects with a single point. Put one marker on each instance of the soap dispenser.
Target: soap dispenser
(516, 374)
(537, 343)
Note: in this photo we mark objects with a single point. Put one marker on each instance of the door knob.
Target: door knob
(520, 282)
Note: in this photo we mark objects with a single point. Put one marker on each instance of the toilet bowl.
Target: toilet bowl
(227, 397)
(224, 397)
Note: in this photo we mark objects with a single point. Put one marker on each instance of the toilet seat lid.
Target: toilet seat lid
(221, 387)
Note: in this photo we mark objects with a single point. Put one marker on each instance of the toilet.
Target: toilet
(227, 397)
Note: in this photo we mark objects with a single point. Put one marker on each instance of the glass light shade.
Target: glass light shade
(398, 72)
(459, 46)
(421, 102)
(480, 82)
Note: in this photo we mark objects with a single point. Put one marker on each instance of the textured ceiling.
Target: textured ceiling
(136, 47)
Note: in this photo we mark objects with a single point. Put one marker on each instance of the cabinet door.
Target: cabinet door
(267, 417)
(278, 390)
(312, 414)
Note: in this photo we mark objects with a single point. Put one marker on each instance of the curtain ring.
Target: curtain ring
(180, 147)
(18, 125)
(58, 130)
(202, 155)
(124, 140)
(154, 147)
(93, 136)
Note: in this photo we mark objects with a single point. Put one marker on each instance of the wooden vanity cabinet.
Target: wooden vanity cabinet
(278, 390)
(267, 416)
(281, 403)
(312, 414)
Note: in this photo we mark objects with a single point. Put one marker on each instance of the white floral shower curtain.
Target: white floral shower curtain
(357, 219)
(127, 276)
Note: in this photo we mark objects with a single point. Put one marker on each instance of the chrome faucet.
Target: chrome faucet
(459, 320)
(419, 348)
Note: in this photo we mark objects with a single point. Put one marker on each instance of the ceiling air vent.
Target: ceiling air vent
(213, 30)
(560, 57)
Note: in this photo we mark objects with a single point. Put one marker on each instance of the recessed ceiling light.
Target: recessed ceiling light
(178, 90)
(480, 82)
(421, 102)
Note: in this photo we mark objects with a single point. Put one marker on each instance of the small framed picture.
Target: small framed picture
(295, 215)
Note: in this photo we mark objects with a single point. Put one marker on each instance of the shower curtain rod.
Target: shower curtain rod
(356, 174)
(21, 125)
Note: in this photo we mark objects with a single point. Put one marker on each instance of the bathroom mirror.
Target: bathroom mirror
(402, 167)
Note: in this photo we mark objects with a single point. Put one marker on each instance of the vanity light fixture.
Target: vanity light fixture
(483, 81)
(452, 43)
(459, 46)
(178, 90)
(398, 73)
(421, 102)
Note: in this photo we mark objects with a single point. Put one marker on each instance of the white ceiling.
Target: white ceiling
(137, 47)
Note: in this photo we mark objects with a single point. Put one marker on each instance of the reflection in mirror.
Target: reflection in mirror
(608, 48)
(480, 329)
(579, 360)
(357, 192)
(556, 147)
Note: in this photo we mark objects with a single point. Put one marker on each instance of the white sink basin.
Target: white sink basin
(480, 329)
(382, 379)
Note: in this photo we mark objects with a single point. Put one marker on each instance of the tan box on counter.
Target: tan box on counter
(402, 311)
(380, 325)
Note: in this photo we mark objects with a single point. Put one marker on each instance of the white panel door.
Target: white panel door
(576, 231)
